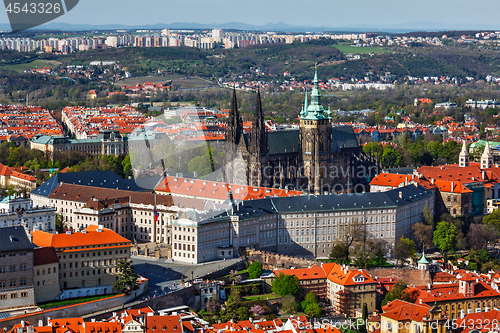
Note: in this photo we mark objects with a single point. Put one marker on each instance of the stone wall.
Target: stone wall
(271, 260)
(410, 276)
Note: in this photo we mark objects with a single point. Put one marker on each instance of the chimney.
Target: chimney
(484, 175)
(400, 195)
(68, 232)
(452, 186)
(23, 324)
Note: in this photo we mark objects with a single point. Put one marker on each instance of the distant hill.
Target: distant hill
(280, 26)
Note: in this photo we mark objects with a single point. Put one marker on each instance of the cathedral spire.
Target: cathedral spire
(234, 124)
(258, 136)
(315, 110)
(304, 107)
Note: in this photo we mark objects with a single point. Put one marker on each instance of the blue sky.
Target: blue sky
(334, 13)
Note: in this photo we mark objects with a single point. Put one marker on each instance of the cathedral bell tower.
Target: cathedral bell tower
(316, 140)
(258, 145)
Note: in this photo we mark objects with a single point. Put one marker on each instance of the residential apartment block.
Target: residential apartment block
(348, 289)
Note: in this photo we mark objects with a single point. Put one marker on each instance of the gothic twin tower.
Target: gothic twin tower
(316, 158)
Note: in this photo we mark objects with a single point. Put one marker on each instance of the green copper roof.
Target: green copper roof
(423, 260)
(315, 110)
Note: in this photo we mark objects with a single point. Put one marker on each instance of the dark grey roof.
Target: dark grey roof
(343, 137)
(105, 179)
(328, 203)
(282, 142)
(14, 239)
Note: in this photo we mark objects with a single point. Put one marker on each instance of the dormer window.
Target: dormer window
(359, 278)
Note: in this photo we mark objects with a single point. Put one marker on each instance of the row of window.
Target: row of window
(12, 268)
(13, 283)
(93, 254)
(184, 247)
(95, 263)
(94, 272)
(184, 238)
(23, 294)
(43, 282)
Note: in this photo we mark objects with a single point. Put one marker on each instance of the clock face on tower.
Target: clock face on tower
(308, 137)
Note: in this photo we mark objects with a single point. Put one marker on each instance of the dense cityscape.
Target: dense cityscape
(220, 180)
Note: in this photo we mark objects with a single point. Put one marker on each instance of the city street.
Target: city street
(165, 276)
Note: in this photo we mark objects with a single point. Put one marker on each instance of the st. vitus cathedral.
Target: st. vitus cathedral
(317, 157)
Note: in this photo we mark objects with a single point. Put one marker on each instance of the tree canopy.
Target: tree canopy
(127, 277)
(255, 270)
(286, 285)
(445, 237)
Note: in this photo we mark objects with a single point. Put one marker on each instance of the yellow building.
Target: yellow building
(403, 317)
(348, 289)
(468, 295)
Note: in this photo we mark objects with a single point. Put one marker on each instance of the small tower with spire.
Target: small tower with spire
(487, 158)
(463, 159)
(423, 263)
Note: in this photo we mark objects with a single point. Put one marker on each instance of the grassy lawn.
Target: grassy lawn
(260, 297)
(66, 302)
(360, 50)
(29, 65)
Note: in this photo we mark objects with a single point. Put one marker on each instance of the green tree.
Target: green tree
(309, 299)
(427, 217)
(255, 270)
(493, 219)
(405, 248)
(339, 254)
(286, 285)
(127, 277)
(391, 158)
(289, 304)
(398, 291)
(446, 237)
(59, 223)
(379, 258)
(243, 313)
(235, 294)
(313, 310)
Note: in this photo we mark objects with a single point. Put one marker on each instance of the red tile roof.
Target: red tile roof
(310, 273)
(163, 324)
(346, 277)
(402, 311)
(218, 190)
(91, 237)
